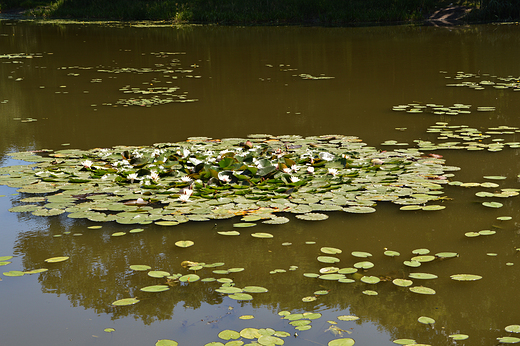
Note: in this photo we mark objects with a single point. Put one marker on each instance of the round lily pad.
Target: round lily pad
(126, 301)
(184, 243)
(244, 224)
(514, 328)
(312, 216)
(426, 320)
(361, 254)
(423, 276)
(364, 265)
(458, 337)
(166, 342)
(402, 282)
(342, 342)
(56, 259)
(189, 278)
(422, 290)
(370, 279)
(465, 277)
(309, 299)
(155, 288)
(228, 334)
(229, 233)
(492, 204)
(330, 250)
(240, 296)
(348, 318)
(140, 267)
(508, 340)
(328, 259)
(262, 235)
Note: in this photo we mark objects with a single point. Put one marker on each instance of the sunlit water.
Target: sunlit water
(230, 82)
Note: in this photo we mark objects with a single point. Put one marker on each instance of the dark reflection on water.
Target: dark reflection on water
(241, 81)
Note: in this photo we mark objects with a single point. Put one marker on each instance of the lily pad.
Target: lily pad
(466, 277)
(492, 204)
(312, 216)
(330, 250)
(348, 318)
(402, 282)
(423, 276)
(140, 267)
(342, 342)
(422, 290)
(514, 328)
(125, 301)
(228, 334)
(328, 259)
(228, 233)
(458, 337)
(155, 288)
(244, 224)
(508, 340)
(262, 235)
(184, 243)
(426, 320)
(364, 265)
(166, 342)
(240, 296)
(56, 259)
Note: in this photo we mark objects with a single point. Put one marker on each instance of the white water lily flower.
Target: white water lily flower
(294, 179)
(287, 170)
(326, 156)
(376, 162)
(333, 171)
(132, 177)
(87, 163)
(154, 175)
(295, 168)
(225, 178)
(310, 170)
(186, 179)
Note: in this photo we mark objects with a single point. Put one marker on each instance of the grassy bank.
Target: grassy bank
(316, 12)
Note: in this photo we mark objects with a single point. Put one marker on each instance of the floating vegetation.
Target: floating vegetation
(205, 179)
(477, 81)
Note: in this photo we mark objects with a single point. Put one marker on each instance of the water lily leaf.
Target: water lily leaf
(229, 233)
(109, 330)
(392, 253)
(166, 342)
(514, 328)
(458, 336)
(359, 210)
(348, 318)
(312, 315)
(328, 259)
(422, 290)
(298, 323)
(508, 340)
(241, 296)
(14, 273)
(56, 259)
(250, 333)
(228, 334)
(433, 207)
(140, 267)
(262, 235)
(370, 279)
(423, 276)
(118, 234)
(246, 317)
(465, 277)
(494, 177)
(229, 290)
(309, 299)
(492, 204)
(167, 223)
(370, 293)
(126, 301)
(423, 259)
(136, 230)
(184, 243)
(158, 273)
(189, 278)
(312, 216)
(426, 320)
(402, 282)
(486, 232)
(155, 288)
(5, 258)
(311, 275)
(347, 271)
(268, 340)
(404, 341)
(244, 224)
(446, 254)
(420, 251)
(255, 289)
(332, 276)
(330, 250)
(504, 218)
(364, 265)
(36, 271)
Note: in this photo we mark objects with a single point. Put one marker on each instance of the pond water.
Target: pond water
(85, 86)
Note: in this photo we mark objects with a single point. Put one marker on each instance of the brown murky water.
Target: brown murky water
(82, 83)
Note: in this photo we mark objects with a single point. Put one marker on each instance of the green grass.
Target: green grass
(314, 12)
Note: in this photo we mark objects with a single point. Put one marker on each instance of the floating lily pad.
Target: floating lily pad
(342, 342)
(118, 234)
(422, 290)
(155, 288)
(184, 243)
(262, 235)
(458, 337)
(126, 301)
(255, 289)
(364, 265)
(229, 233)
(465, 277)
(228, 334)
(56, 259)
(423, 276)
(361, 254)
(309, 299)
(392, 253)
(244, 224)
(402, 282)
(240, 296)
(330, 250)
(14, 273)
(508, 340)
(446, 254)
(404, 341)
(136, 230)
(166, 342)
(370, 279)
(492, 204)
(348, 318)
(158, 273)
(246, 317)
(140, 267)
(328, 259)
(250, 333)
(312, 216)
(189, 278)
(370, 293)
(514, 328)
(426, 320)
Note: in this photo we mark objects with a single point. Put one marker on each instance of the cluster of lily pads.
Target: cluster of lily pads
(482, 81)
(438, 109)
(204, 179)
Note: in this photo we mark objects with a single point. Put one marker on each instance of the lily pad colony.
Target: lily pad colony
(203, 179)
